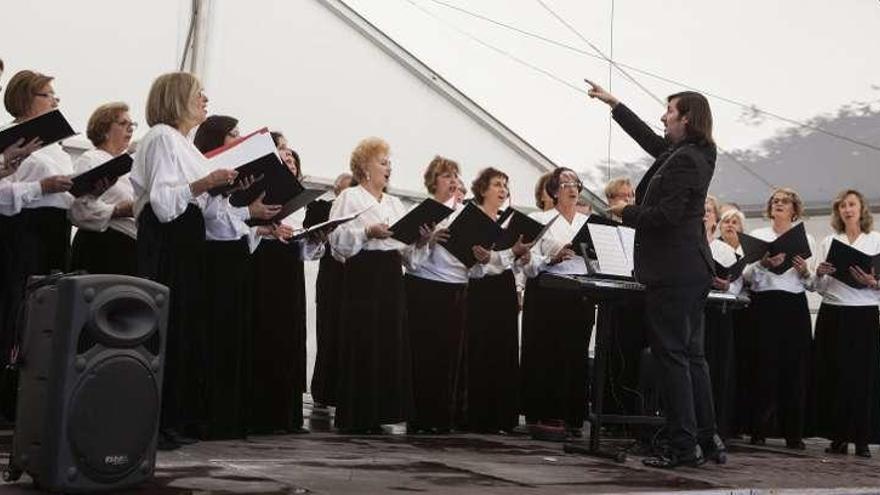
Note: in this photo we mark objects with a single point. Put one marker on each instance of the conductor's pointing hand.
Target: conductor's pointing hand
(601, 94)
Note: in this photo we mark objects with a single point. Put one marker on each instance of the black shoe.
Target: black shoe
(837, 448)
(795, 445)
(758, 440)
(165, 443)
(863, 451)
(179, 439)
(714, 450)
(670, 460)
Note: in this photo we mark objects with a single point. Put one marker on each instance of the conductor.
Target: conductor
(672, 259)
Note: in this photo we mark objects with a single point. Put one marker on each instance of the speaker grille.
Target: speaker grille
(114, 410)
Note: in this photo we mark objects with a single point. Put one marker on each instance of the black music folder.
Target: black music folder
(318, 211)
(428, 212)
(843, 256)
(517, 224)
(732, 272)
(792, 243)
(112, 169)
(471, 228)
(582, 239)
(50, 127)
(264, 170)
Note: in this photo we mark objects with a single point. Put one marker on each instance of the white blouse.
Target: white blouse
(834, 291)
(761, 279)
(45, 162)
(14, 195)
(441, 266)
(165, 165)
(96, 214)
(350, 238)
(557, 236)
(724, 254)
(308, 250)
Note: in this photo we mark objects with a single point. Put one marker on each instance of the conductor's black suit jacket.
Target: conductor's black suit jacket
(670, 242)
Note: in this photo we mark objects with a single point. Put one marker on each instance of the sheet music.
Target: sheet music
(628, 239)
(613, 259)
(255, 146)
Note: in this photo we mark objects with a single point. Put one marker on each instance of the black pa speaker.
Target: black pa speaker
(90, 382)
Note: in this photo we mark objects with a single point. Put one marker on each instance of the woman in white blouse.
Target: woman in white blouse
(171, 180)
(492, 327)
(847, 348)
(783, 335)
(557, 324)
(230, 242)
(719, 343)
(437, 287)
(732, 221)
(375, 386)
(36, 235)
(279, 321)
(106, 230)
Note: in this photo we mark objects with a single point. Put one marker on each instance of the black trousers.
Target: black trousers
(676, 333)
(782, 358)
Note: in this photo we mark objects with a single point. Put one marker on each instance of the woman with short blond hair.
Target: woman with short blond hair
(171, 179)
(847, 348)
(375, 386)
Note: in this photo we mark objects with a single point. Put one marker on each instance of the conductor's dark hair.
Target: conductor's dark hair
(481, 184)
(695, 107)
(555, 182)
(212, 132)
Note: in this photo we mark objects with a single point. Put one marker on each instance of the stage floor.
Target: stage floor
(467, 464)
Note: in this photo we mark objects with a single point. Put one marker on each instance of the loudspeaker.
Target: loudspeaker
(90, 382)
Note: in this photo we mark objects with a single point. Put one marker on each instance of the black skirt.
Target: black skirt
(6, 335)
(279, 338)
(110, 251)
(782, 364)
(328, 302)
(744, 335)
(492, 330)
(37, 243)
(228, 288)
(847, 353)
(375, 384)
(720, 356)
(173, 254)
(557, 325)
(435, 318)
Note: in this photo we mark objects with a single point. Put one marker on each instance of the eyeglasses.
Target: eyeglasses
(234, 134)
(572, 185)
(48, 95)
(780, 201)
(127, 124)
(386, 162)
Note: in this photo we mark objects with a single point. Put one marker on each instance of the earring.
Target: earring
(368, 177)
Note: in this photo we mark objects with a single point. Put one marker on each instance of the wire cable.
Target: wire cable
(751, 107)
